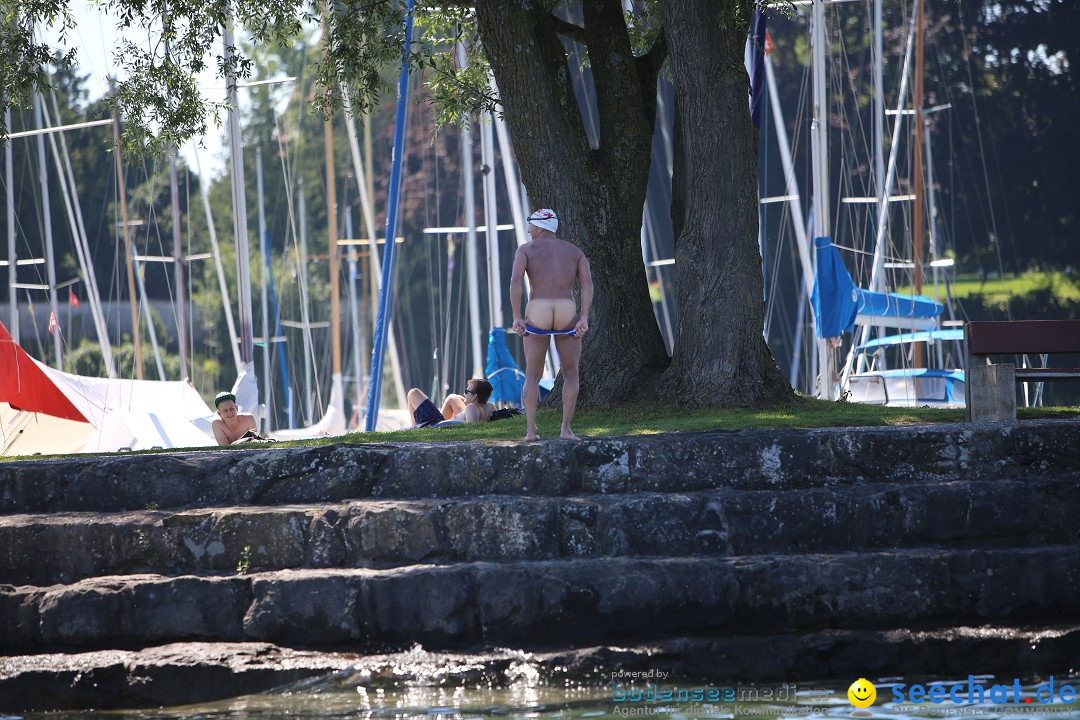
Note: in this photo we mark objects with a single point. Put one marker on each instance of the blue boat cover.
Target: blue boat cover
(837, 302)
(897, 307)
(834, 292)
(904, 338)
(502, 372)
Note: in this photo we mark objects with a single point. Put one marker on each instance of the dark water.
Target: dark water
(526, 695)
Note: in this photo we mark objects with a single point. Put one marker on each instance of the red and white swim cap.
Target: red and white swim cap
(545, 219)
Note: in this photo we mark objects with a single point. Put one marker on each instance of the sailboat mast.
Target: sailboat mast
(128, 252)
(383, 315)
(178, 242)
(879, 123)
(470, 242)
(236, 160)
(362, 171)
(178, 269)
(820, 156)
(264, 255)
(204, 190)
(46, 211)
(487, 160)
(917, 222)
(332, 228)
(358, 341)
(78, 230)
(9, 180)
(308, 351)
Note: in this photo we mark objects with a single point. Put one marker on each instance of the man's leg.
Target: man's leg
(416, 397)
(535, 348)
(569, 348)
(452, 406)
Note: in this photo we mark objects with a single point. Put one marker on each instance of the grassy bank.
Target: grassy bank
(627, 421)
(806, 413)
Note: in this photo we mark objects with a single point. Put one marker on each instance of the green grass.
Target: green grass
(630, 421)
(1000, 289)
(804, 413)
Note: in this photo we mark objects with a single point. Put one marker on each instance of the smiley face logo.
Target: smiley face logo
(862, 693)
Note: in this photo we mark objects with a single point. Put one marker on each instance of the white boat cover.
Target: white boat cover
(44, 410)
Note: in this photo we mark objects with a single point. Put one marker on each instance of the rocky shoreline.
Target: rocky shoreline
(787, 555)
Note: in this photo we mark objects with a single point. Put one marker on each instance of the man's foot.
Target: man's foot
(567, 435)
(532, 438)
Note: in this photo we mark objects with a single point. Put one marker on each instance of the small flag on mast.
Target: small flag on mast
(53, 324)
(73, 301)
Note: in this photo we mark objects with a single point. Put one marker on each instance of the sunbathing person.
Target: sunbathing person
(231, 426)
(469, 407)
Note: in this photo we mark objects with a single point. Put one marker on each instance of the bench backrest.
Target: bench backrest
(988, 337)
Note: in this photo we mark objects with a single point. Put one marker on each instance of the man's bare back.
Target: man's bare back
(552, 267)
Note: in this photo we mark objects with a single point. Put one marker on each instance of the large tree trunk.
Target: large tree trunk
(720, 356)
(598, 193)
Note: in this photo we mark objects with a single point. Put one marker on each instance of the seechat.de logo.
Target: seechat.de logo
(973, 692)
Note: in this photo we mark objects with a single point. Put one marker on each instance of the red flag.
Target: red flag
(53, 325)
(72, 300)
(768, 42)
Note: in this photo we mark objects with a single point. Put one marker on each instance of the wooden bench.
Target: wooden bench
(990, 389)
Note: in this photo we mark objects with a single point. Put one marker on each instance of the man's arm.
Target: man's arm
(218, 426)
(585, 278)
(517, 288)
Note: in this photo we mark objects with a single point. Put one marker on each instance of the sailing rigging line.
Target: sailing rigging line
(153, 230)
(308, 351)
(982, 151)
(78, 231)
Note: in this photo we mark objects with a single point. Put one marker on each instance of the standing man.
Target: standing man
(231, 425)
(552, 266)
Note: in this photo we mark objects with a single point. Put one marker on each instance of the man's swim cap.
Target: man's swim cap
(222, 397)
(545, 220)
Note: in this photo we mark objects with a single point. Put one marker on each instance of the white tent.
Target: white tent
(44, 410)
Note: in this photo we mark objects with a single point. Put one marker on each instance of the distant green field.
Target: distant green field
(999, 289)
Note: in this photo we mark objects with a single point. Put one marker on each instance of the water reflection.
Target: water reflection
(519, 693)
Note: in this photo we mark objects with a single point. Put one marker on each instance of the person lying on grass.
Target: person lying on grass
(231, 426)
(469, 407)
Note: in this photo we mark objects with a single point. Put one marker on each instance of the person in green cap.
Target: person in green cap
(231, 426)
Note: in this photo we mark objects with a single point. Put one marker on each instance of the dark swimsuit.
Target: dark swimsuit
(530, 330)
(426, 414)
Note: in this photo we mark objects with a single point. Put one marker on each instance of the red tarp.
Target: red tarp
(24, 386)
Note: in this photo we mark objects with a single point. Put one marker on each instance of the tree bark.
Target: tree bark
(720, 355)
(598, 193)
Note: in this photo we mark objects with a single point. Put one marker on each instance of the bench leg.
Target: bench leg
(991, 393)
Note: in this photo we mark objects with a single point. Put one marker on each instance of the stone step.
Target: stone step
(184, 673)
(571, 602)
(57, 548)
(684, 462)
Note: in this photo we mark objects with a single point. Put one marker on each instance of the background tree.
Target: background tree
(1004, 66)
(598, 191)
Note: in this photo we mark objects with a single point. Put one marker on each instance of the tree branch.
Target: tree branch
(568, 29)
(650, 63)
